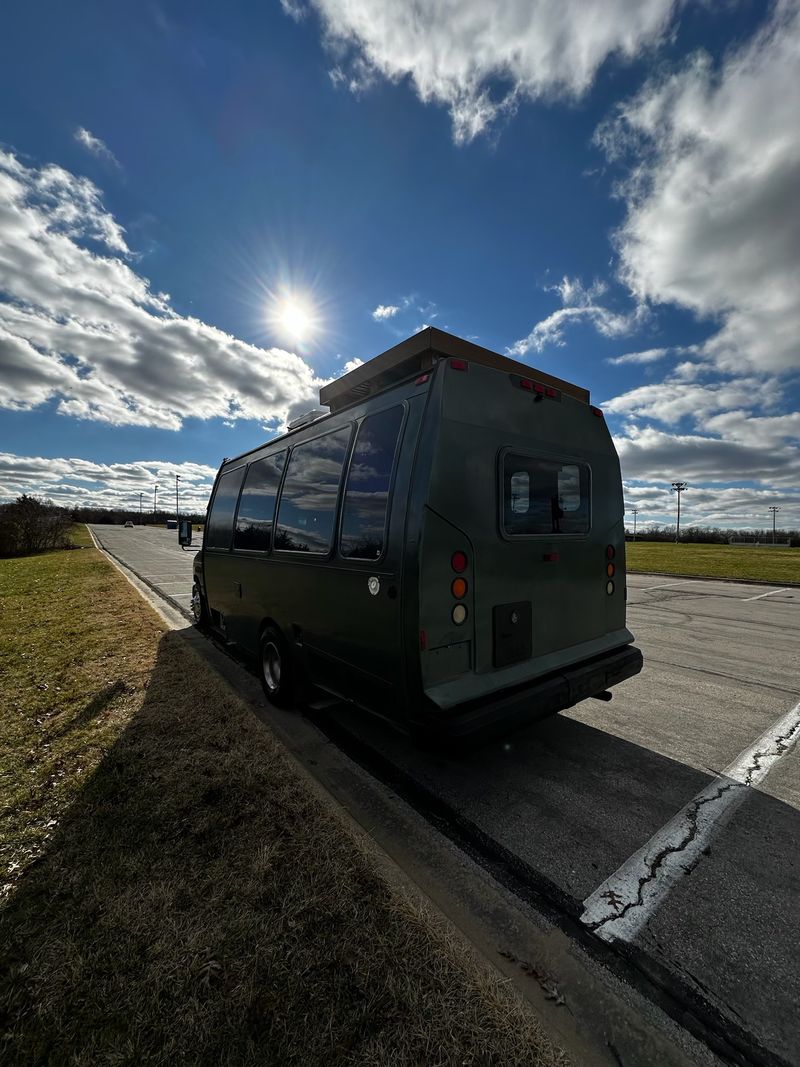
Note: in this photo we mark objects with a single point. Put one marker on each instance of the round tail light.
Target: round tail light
(458, 561)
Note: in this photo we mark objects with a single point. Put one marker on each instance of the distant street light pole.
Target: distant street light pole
(140, 509)
(177, 510)
(635, 512)
(679, 487)
(155, 500)
(774, 509)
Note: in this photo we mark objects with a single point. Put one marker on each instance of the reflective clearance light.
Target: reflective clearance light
(610, 570)
(459, 588)
(610, 552)
(609, 588)
(459, 364)
(458, 561)
(459, 614)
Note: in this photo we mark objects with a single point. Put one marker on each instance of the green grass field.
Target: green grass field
(780, 565)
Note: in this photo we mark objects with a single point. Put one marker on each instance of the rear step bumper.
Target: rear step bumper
(545, 696)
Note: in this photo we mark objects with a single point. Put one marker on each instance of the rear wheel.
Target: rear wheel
(198, 604)
(275, 668)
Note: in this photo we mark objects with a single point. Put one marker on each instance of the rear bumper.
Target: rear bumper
(545, 696)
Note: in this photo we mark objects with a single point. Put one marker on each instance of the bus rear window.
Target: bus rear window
(544, 496)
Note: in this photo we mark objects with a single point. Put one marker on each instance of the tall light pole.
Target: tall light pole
(155, 500)
(140, 509)
(177, 510)
(774, 509)
(635, 512)
(679, 487)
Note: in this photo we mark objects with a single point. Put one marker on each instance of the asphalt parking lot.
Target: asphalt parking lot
(667, 819)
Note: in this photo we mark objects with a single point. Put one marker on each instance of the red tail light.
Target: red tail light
(610, 551)
(458, 561)
(423, 640)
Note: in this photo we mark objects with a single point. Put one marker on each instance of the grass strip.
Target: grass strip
(779, 565)
(174, 890)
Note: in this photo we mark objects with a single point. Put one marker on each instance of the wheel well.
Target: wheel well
(264, 624)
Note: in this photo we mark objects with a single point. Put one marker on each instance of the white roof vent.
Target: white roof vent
(304, 420)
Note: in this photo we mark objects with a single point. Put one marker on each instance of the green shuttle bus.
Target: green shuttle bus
(444, 546)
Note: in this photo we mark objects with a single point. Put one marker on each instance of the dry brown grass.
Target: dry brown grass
(195, 901)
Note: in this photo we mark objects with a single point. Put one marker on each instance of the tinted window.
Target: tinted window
(542, 496)
(220, 521)
(257, 506)
(367, 492)
(310, 491)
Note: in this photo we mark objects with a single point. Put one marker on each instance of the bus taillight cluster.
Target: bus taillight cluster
(610, 569)
(458, 587)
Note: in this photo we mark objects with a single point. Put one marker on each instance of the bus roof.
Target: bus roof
(418, 353)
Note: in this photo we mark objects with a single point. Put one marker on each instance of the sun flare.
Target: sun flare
(294, 317)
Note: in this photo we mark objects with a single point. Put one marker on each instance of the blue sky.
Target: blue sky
(207, 210)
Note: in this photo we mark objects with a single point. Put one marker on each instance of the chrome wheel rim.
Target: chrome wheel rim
(271, 666)
(197, 606)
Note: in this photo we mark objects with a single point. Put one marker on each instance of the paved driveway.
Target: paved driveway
(154, 555)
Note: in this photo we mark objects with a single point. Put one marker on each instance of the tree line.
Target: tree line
(713, 535)
(29, 524)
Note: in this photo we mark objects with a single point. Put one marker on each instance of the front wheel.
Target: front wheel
(275, 668)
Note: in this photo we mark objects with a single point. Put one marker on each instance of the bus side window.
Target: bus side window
(366, 497)
(220, 521)
(310, 493)
(257, 506)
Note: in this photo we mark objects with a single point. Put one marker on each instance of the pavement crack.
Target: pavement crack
(776, 748)
(654, 865)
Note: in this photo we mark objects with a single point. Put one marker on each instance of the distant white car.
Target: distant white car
(129, 523)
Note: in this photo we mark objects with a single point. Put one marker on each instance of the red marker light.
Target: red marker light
(550, 391)
(538, 388)
(459, 364)
(458, 561)
(422, 379)
(423, 640)
(525, 383)
(551, 557)
(597, 412)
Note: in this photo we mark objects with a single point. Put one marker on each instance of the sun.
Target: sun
(293, 316)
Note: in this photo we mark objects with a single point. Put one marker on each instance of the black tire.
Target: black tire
(199, 606)
(275, 668)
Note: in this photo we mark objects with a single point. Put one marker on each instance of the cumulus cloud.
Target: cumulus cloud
(712, 209)
(385, 311)
(75, 482)
(79, 326)
(736, 507)
(670, 401)
(456, 52)
(97, 147)
(580, 306)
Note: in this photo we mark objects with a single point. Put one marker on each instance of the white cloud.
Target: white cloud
(385, 311)
(96, 146)
(713, 223)
(294, 9)
(580, 306)
(351, 364)
(649, 355)
(672, 400)
(79, 326)
(455, 52)
(735, 507)
(647, 453)
(73, 482)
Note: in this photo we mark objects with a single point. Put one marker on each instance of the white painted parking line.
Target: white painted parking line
(669, 585)
(619, 908)
(772, 592)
